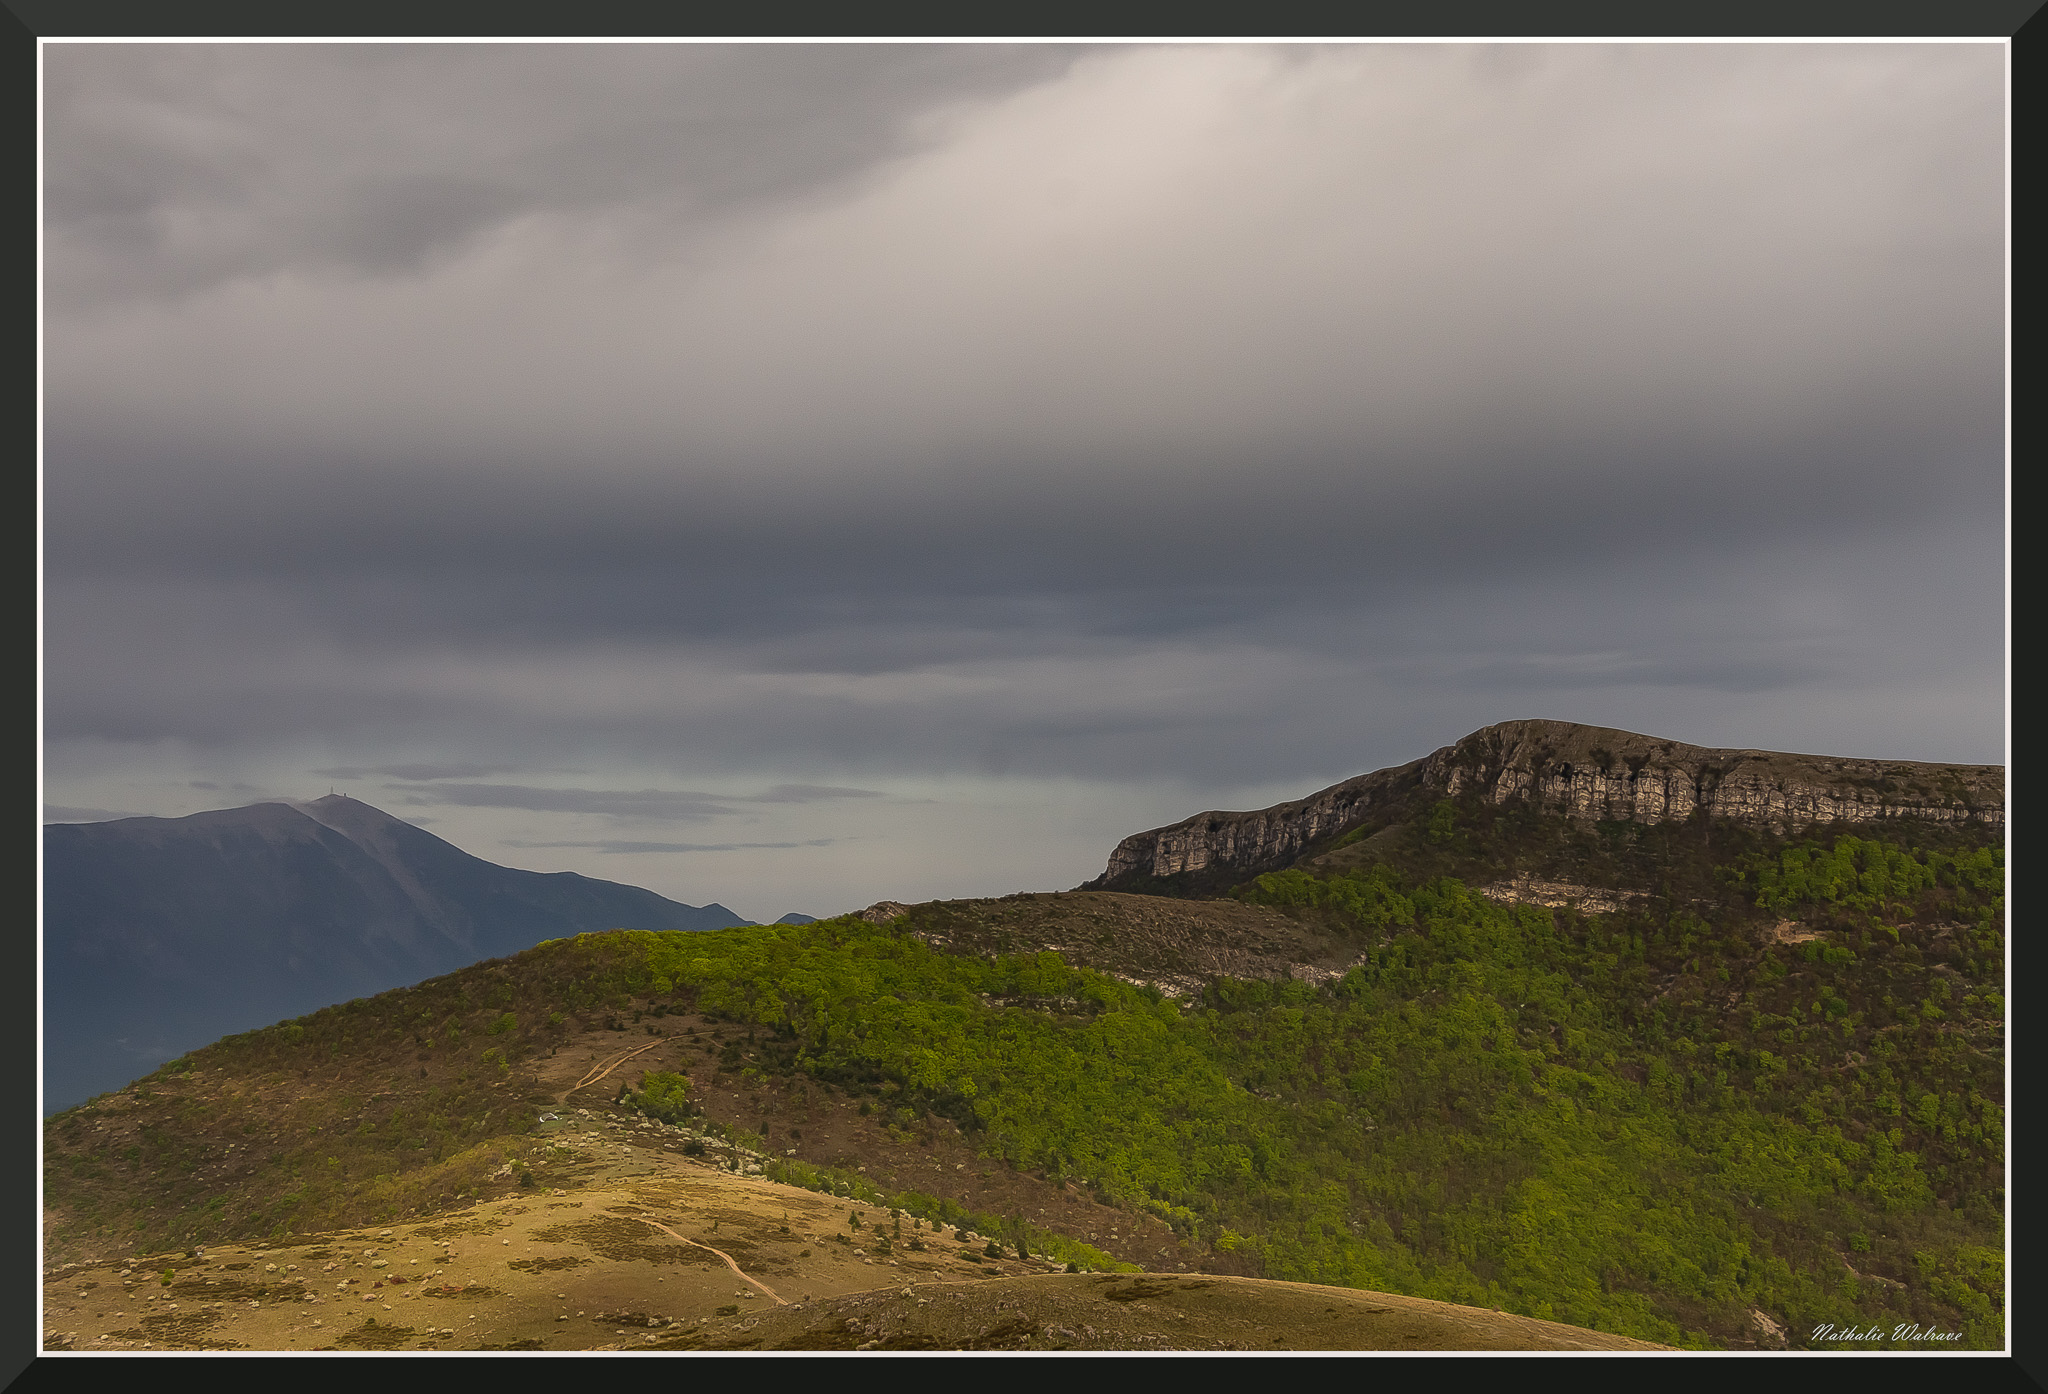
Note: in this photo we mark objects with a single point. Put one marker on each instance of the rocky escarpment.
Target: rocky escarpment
(1585, 772)
(1271, 837)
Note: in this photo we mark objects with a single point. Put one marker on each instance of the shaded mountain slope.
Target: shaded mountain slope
(162, 933)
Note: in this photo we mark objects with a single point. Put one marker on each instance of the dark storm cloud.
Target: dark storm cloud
(799, 415)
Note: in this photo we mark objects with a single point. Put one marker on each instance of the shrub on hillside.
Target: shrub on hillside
(663, 1095)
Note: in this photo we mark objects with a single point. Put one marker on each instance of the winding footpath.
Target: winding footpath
(600, 1070)
(780, 1301)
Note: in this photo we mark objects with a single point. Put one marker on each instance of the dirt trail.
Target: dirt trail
(599, 1071)
(779, 1300)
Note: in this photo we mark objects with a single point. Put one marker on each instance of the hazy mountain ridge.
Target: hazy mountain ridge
(163, 933)
(1583, 772)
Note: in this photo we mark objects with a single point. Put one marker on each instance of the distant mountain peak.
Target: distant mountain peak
(351, 817)
(164, 933)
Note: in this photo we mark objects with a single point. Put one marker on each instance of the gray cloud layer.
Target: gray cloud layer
(672, 805)
(1219, 415)
(619, 847)
(175, 168)
(427, 771)
(60, 813)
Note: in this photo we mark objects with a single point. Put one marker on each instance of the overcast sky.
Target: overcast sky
(794, 476)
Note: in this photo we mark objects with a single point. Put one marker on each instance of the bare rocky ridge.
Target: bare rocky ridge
(1173, 945)
(1557, 895)
(1583, 772)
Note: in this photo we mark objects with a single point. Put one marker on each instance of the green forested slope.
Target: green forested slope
(1635, 1122)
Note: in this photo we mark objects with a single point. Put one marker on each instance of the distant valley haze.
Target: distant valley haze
(789, 477)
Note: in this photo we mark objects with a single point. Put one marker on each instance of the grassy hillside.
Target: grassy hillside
(1765, 1091)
